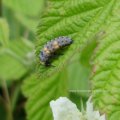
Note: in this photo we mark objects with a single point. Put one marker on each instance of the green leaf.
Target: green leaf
(40, 93)
(83, 21)
(78, 76)
(4, 32)
(80, 69)
(106, 67)
(22, 11)
(24, 6)
(29, 23)
(15, 59)
(80, 20)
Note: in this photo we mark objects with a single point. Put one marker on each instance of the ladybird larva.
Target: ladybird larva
(51, 47)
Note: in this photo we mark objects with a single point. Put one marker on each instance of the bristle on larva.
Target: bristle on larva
(51, 47)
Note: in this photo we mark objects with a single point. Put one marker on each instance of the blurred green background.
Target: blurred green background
(18, 22)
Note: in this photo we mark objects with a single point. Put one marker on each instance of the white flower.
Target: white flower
(64, 109)
(91, 114)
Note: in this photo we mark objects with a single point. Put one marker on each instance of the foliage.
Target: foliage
(4, 32)
(13, 61)
(23, 12)
(93, 25)
(83, 21)
(106, 67)
(17, 59)
(41, 93)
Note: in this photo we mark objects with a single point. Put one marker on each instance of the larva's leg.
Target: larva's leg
(48, 64)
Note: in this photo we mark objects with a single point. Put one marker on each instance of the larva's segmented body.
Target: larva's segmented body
(51, 47)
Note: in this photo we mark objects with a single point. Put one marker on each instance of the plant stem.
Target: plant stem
(15, 96)
(2, 100)
(7, 100)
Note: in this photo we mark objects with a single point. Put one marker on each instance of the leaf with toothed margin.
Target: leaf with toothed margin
(40, 94)
(106, 67)
(83, 21)
(77, 19)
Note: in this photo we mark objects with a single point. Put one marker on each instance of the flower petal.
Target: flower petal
(102, 117)
(64, 109)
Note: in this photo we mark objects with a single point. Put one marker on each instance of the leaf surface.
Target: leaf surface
(83, 21)
(106, 67)
(15, 59)
(4, 32)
